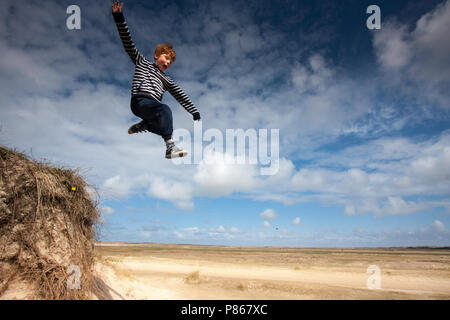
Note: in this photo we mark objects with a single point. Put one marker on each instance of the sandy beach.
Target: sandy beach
(166, 272)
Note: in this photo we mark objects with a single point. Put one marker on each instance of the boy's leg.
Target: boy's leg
(146, 109)
(165, 125)
(157, 118)
(164, 121)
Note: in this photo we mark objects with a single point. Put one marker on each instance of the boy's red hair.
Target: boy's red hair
(166, 48)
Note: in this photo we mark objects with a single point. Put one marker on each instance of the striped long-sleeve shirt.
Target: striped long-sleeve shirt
(148, 79)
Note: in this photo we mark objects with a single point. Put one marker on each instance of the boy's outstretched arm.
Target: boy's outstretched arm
(124, 33)
(183, 99)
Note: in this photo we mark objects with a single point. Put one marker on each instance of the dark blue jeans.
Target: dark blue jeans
(157, 116)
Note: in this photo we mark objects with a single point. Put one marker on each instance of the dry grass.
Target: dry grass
(115, 264)
(113, 259)
(242, 286)
(47, 223)
(193, 277)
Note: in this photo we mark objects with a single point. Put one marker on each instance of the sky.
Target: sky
(363, 117)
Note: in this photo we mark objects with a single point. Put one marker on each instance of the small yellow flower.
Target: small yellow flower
(74, 189)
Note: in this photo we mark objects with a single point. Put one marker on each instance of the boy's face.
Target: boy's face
(163, 62)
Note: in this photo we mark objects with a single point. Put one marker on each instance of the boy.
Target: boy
(149, 84)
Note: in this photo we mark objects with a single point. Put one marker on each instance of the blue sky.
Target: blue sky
(363, 117)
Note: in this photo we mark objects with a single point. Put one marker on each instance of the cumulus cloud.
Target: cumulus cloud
(387, 173)
(393, 47)
(438, 226)
(235, 230)
(268, 214)
(220, 176)
(192, 230)
(296, 221)
(379, 177)
(210, 235)
(105, 210)
(116, 187)
(418, 57)
(180, 193)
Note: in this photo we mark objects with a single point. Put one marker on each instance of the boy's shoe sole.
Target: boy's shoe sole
(137, 127)
(177, 154)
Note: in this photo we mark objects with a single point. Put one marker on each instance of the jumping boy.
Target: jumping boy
(148, 86)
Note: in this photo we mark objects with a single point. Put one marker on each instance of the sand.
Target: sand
(167, 272)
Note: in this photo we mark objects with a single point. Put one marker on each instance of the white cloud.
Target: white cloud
(116, 187)
(192, 229)
(435, 231)
(105, 210)
(310, 179)
(438, 226)
(146, 234)
(397, 205)
(180, 193)
(178, 235)
(393, 47)
(433, 53)
(433, 167)
(268, 214)
(296, 221)
(235, 230)
(220, 177)
(266, 224)
(420, 58)
(350, 210)
(391, 170)
(383, 175)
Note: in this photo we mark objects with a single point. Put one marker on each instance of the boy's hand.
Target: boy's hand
(116, 7)
(196, 116)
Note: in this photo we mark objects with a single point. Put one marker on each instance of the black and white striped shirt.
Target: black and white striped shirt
(148, 78)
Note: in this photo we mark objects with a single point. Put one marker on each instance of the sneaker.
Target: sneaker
(138, 127)
(174, 152)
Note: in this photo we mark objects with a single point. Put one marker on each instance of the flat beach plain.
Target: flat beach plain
(168, 271)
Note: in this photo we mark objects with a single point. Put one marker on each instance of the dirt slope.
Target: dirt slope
(47, 230)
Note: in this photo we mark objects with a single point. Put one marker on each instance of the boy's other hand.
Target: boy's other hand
(116, 7)
(196, 116)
